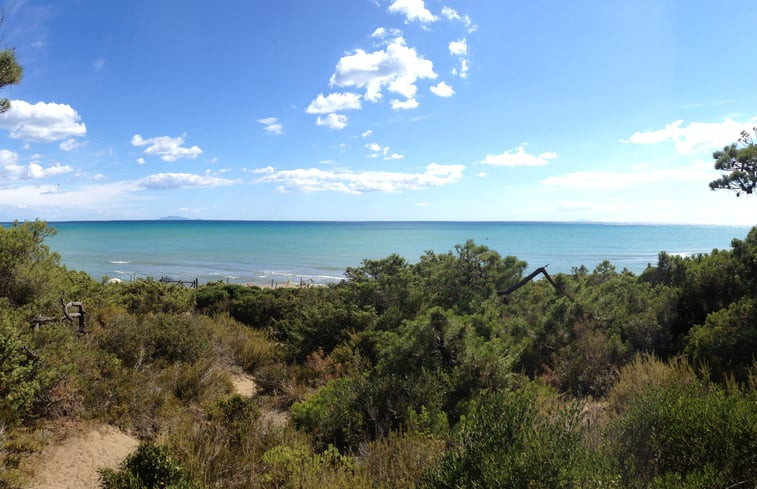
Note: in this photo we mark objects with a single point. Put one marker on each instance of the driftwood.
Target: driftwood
(528, 278)
(71, 311)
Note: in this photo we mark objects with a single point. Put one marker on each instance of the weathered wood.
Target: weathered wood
(528, 278)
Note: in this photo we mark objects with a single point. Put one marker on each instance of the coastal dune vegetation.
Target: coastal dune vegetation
(405, 374)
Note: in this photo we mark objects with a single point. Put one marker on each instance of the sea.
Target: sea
(287, 252)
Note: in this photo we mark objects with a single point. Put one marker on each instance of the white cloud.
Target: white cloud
(452, 14)
(367, 133)
(458, 48)
(375, 147)
(266, 169)
(394, 156)
(42, 122)
(332, 121)
(168, 148)
(162, 181)
(695, 137)
(70, 144)
(443, 90)
(408, 104)
(54, 197)
(519, 157)
(603, 180)
(412, 10)
(463, 71)
(334, 102)
(12, 171)
(347, 181)
(140, 161)
(271, 125)
(383, 32)
(396, 68)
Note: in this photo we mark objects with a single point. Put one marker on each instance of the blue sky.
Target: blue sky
(376, 109)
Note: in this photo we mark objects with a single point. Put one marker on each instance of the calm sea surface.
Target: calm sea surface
(262, 252)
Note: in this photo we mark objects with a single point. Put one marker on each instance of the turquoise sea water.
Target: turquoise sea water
(261, 252)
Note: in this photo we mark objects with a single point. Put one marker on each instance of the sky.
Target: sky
(376, 110)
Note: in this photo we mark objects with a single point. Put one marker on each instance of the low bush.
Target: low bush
(673, 429)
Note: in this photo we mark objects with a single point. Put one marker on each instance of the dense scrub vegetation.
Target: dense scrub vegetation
(403, 375)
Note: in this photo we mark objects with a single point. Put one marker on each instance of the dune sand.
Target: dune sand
(73, 462)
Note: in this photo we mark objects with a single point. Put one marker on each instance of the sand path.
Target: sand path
(73, 463)
(244, 385)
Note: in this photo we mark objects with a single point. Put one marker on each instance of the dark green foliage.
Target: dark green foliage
(150, 467)
(740, 163)
(163, 337)
(727, 342)
(29, 273)
(149, 296)
(389, 287)
(465, 279)
(19, 372)
(506, 442)
(10, 74)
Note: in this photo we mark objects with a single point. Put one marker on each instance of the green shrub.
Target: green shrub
(674, 429)
(149, 296)
(727, 342)
(506, 442)
(165, 337)
(333, 413)
(151, 466)
(20, 380)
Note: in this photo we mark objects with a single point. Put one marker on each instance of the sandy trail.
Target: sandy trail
(73, 463)
(244, 385)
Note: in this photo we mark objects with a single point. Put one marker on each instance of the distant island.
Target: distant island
(173, 218)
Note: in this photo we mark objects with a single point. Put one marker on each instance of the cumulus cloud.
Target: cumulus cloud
(332, 121)
(271, 125)
(443, 90)
(347, 181)
(12, 171)
(168, 148)
(458, 48)
(367, 133)
(266, 169)
(452, 14)
(413, 10)
(334, 102)
(408, 104)
(42, 122)
(603, 180)
(162, 181)
(518, 157)
(694, 137)
(395, 68)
